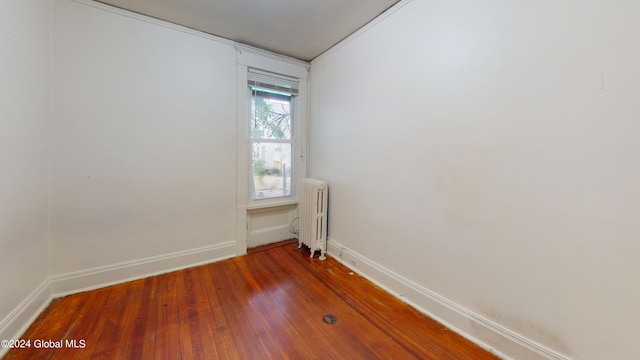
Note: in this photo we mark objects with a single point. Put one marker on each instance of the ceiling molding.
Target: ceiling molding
(301, 29)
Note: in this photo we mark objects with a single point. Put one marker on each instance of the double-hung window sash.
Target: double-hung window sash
(271, 135)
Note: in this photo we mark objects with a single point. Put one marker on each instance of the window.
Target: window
(271, 137)
(271, 144)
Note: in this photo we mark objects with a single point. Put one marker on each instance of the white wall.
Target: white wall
(487, 151)
(24, 126)
(144, 138)
(118, 151)
(269, 225)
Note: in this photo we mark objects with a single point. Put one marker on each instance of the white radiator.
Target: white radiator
(313, 216)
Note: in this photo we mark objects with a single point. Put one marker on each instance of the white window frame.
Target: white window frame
(250, 58)
(294, 102)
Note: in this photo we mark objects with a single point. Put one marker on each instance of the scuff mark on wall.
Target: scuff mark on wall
(527, 328)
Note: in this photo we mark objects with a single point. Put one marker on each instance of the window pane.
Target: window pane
(271, 163)
(270, 115)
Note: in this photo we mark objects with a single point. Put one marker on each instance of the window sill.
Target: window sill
(271, 204)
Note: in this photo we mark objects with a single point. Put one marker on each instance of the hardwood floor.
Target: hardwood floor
(269, 304)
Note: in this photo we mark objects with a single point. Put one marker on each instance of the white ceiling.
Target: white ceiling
(301, 29)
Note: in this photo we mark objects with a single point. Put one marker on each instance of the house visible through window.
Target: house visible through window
(271, 135)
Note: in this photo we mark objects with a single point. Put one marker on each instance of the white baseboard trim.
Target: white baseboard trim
(495, 338)
(17, 322)
(102, 276)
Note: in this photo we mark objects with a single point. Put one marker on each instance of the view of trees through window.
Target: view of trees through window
(271, 144)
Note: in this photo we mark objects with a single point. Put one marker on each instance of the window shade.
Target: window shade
(272, 82)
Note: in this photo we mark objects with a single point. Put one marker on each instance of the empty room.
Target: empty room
(158, 159)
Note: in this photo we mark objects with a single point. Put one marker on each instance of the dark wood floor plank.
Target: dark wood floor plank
(168, 344)
(266, 305)
(189, 314)
(188, 343)
(423, 339)
(150, 329)
(54, 321)
(87, 324)
(370, 340)
(307, 301)
(139, 329)
(276, 307)
(109, 325)
(130, 318)
(218, 342)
